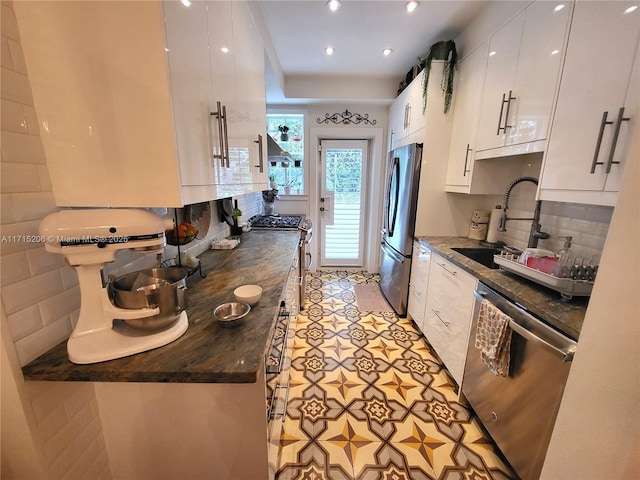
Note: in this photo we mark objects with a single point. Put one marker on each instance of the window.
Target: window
(287, 171)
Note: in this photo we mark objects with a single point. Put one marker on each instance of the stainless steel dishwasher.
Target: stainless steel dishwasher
(519, 410)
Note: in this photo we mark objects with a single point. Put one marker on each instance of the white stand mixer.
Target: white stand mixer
(88, 239)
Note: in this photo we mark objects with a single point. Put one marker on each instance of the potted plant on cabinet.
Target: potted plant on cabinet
(284, 135)
(445, 50)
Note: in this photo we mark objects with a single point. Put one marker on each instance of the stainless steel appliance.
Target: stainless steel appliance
(519, 410)
(305, 258)
(399, 219)
(280, 222)
(89, 239)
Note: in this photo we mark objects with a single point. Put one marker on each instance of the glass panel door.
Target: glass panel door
(342, 202)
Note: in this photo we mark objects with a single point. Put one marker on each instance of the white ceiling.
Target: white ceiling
(359, 30)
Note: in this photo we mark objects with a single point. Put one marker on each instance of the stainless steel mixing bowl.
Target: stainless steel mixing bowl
(164, 288)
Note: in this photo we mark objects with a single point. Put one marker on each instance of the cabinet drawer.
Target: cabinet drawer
(417, 301)
(447, 338)
(452, 288)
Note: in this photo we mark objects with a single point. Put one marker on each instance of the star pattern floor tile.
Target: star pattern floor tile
(369, 400)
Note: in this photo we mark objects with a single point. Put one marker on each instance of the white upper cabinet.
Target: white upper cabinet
(595, 125)
(523, 66)
(188, 56)
(406, 119)
(125, 97)
(466, 112)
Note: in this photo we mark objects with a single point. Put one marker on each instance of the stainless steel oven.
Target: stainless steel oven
(519, 410)
(305, 257)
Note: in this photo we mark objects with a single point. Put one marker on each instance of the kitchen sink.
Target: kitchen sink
(484, 256)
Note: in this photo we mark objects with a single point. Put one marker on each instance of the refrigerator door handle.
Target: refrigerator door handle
(392, 253)
(392, 217)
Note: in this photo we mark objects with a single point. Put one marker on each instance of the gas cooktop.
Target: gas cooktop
(279, 222)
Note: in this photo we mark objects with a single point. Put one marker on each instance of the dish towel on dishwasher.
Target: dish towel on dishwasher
(493, 338)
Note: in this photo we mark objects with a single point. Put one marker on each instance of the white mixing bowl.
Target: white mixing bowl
(248, 294)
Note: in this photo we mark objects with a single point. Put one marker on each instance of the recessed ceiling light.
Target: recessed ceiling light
(631, 9)
(558, 7)
(412, 5)
(387, 51)
(334, 5)
(329, 50)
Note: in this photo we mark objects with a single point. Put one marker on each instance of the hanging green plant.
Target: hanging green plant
(444, 50)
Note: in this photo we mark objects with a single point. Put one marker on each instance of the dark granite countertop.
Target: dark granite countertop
(543, 302)
(206, 353)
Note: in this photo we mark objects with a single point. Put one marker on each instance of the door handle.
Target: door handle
(260, 153)
(466, 160)
(394, 255)
(616, 131)
(603, 123)
(218, 115)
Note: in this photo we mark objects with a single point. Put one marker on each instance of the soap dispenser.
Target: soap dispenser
(566, 258)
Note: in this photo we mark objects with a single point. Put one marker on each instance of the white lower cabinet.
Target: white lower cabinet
(447, 337)
(418, 283)
(449, 307)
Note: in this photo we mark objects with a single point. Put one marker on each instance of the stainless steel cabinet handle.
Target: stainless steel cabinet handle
(444, 267)
(616, 131)
(504, 96)
(226, 134)
(596, 153)
(260, 153)
(221, 117)
(506, 117)
(437, 314)
(466, 161)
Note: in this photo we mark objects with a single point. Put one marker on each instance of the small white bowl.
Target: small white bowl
(248, 294)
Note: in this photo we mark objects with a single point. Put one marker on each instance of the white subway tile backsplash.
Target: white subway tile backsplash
(9, 26)
(7, 211)
(69, 277)
(53, 423)
(45, 179)
(19, 148)
(14, 268)
(13, 117)
(17, 57)
(25, 322)
(5, 54)
(20, 295)
(15, 86)
(32, 346)
(33, 206)
(61, 305)
(63, 462)
(19, 178)
(41, 261)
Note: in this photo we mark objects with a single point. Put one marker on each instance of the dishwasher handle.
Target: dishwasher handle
(565, 348)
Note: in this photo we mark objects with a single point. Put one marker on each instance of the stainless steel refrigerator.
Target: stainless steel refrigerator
(398, 225)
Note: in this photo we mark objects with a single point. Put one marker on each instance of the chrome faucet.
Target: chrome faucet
(536, 232)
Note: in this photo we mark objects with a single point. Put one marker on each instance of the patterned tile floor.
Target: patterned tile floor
(369, 400)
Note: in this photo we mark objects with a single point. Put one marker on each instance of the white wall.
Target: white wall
(48, 429)
(597, 433)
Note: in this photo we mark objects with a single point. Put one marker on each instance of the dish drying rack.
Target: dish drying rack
(577, 283)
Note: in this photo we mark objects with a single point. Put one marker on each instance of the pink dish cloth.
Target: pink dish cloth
(493, 338)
